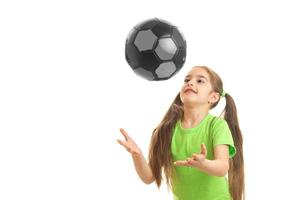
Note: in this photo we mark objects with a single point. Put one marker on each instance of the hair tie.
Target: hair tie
(223, 93)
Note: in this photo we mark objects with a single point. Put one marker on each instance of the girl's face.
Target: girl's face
(197, 89)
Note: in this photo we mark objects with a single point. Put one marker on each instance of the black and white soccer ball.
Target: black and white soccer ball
(155, 49)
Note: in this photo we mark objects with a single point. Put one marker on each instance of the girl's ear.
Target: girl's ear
(214, 97)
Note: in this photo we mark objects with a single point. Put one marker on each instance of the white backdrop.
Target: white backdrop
(66, 89)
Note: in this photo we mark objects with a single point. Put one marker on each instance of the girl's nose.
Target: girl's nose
(190, 83)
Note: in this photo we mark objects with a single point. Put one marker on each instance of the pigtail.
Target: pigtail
(160, 157)
(236, 170)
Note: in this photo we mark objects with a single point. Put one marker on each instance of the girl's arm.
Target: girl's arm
(217, 167)
(220, 165)
(141, 166)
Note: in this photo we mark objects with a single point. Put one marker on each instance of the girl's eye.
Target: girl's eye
(200, 81)
(186, 80)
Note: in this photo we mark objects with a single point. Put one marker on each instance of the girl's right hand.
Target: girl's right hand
(129, 143)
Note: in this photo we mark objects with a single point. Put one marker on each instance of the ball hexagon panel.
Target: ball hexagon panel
(149, 61)
(178, 38)
(131, 35)
(162, 29)
(165, 48)
(145, 40)
(179, 59)
(133, 56)
(144, 73)
(165, 70)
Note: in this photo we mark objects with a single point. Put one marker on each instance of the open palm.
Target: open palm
(129, 143)
(195, 160)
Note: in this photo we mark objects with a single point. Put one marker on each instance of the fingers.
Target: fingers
(203, 149)
(190, 162)
(181, 163)
(195, 160)
(123, 143)
(198, 157)
(124, 133)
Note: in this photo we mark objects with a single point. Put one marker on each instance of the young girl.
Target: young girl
(193, 149)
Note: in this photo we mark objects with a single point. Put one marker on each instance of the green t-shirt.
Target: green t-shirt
(190, 183)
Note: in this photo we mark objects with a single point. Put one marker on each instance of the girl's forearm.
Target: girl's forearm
(142, 168)
(214, 167)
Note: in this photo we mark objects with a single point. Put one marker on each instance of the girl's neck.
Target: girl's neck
(193, 116)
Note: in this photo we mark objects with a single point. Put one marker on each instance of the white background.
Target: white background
(66, 89)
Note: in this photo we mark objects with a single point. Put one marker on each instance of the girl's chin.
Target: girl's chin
(190, 101)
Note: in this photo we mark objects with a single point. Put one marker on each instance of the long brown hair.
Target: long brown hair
(160, 157)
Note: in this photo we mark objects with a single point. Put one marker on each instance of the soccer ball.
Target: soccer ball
(155, 49)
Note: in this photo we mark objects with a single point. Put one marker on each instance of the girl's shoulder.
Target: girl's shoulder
(217, 121)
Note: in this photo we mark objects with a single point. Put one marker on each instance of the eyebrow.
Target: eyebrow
(199, 76)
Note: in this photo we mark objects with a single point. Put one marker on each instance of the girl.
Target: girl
(193, 149)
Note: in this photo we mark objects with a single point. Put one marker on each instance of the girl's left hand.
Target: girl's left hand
(196, 160)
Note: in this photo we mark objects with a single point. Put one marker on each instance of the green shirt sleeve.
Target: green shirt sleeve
(222, 135)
